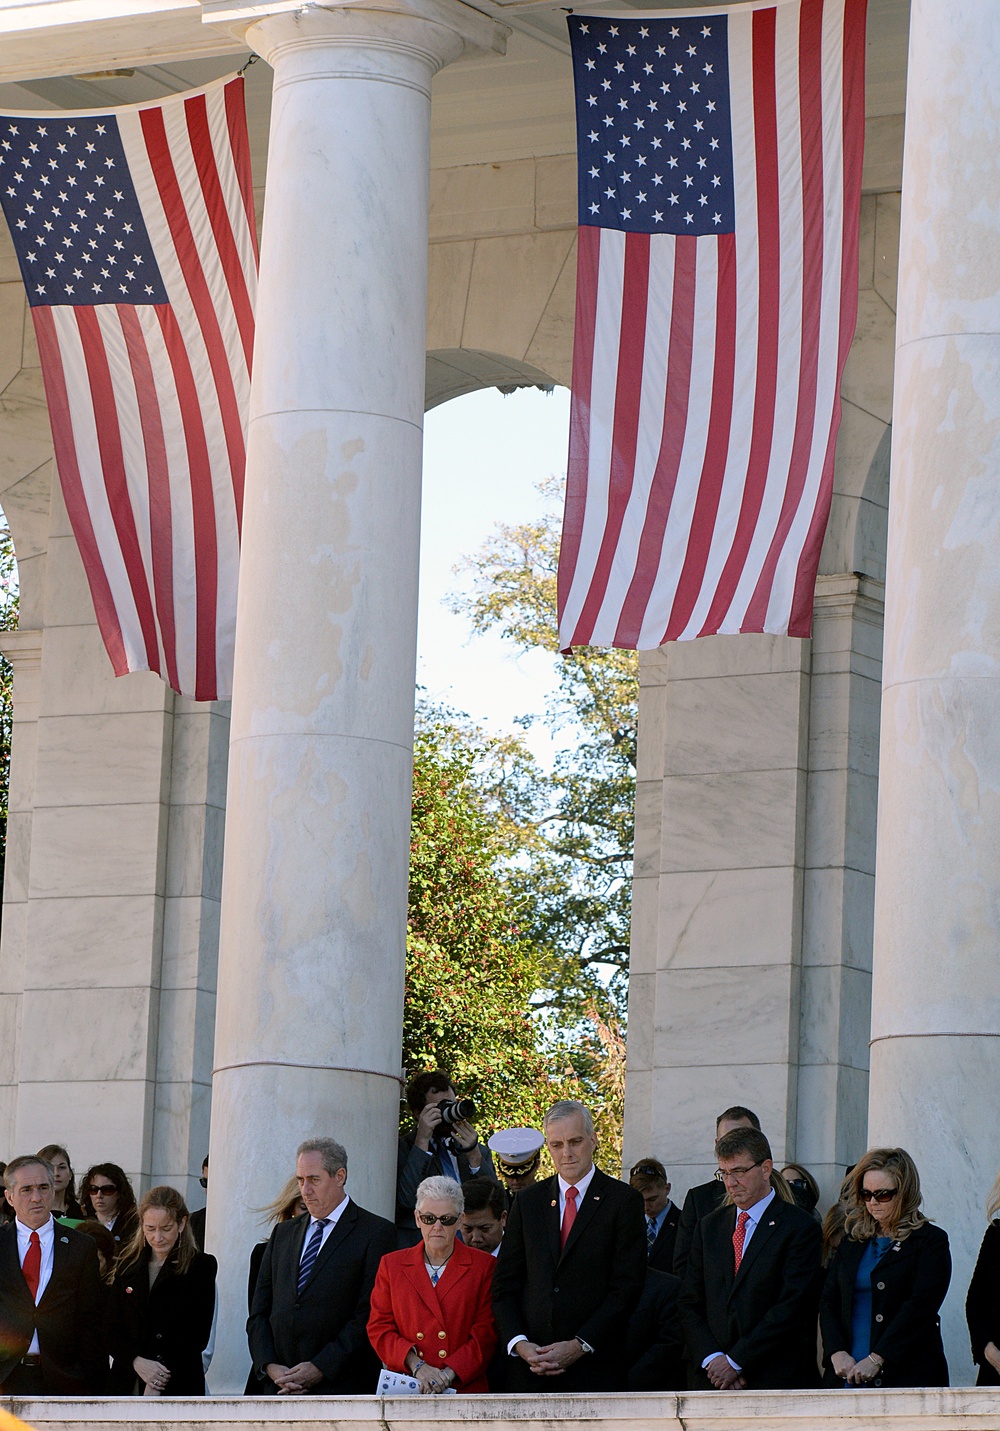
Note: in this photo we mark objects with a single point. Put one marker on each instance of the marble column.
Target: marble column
(313, 922)
(935, 1058)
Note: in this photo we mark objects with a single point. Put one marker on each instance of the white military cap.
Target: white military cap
(516, 1146)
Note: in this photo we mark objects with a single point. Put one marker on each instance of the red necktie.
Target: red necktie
(32, 1264)
(739, 1237)
(569, 1215)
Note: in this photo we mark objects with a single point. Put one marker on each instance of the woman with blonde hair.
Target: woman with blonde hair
(982, 1306)
(163, 1306)
(886, 1282)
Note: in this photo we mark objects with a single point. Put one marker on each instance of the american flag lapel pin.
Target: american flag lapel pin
(64, 1239)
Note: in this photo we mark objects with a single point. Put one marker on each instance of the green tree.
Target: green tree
(471, 969)
(577, 881)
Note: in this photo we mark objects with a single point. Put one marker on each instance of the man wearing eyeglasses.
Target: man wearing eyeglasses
(308, 1323)
(751, 1294)
(706, 1197)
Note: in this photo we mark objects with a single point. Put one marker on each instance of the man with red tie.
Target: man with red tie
(52, 1341)
(751, 1291)
(571, 1268)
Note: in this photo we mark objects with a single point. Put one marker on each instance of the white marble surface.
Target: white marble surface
(312, 939)
(936, 991)
(932, 1409)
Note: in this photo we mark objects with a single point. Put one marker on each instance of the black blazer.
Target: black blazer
(700, 1201)
(328, 1323)
(589, 1289)
(69, 1318)
(655, 1345)
(412, 1166)
(908, 1286)
(169, 1322)
(661, 1258)
(982, 1305)
(764, 1316)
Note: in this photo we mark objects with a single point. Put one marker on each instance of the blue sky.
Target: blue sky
(483, 456)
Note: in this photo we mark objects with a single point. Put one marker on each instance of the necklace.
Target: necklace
(436, 1270)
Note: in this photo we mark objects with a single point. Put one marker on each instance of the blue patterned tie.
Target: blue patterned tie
(650, 1235)
(312, 1252)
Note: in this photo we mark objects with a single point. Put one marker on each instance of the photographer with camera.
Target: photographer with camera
(443, 1144)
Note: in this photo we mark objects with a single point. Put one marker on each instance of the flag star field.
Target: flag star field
(653, 116)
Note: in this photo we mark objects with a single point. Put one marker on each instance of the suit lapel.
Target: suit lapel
(417, 1273)
(551, 1216)
(726, 1226)
(763, 1233)
(10, 1265)
(60, 1257)
(586, 1212)
(345, 1224)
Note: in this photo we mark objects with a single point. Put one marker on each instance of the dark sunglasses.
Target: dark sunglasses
(429, 1219)
(877, 1194)
(204, 1182)
(645, 1170)
(102, 1189)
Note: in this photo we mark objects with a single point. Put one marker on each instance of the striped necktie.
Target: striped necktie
(650, 1235)
(312, 1251)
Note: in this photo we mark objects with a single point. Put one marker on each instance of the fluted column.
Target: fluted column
(935, 1065)
(312, 946)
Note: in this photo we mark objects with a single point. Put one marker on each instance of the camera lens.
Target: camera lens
(457, 1110)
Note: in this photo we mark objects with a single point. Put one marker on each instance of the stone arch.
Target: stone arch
(453, 372)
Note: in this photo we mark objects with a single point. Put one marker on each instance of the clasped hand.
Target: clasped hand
(294, 1380)
(551, 1360)
(153, 1373)
(723, 1375)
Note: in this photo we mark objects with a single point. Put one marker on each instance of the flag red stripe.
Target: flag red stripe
(239, 142)
(158, 149)
(206, 556)
(107, 425)
(716, 447)
(588, 258)
(160, 513)
(811, 130)
(765, 110)
(68, 467)
(800, 621)
(196, 114)
(675, 407)
(628, 396)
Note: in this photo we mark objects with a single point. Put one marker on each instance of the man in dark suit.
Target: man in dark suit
(434, 1148)
(52, 1340)
(706, 1197)
(571, 1268)
(649, 1178)
(750, 1298)
(655, 1342)
(308, 1323)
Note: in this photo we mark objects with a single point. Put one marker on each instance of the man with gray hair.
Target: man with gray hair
(571, 1268)
(308, 1323)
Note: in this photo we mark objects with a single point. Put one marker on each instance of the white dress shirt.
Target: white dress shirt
(754, 1215)
(47, 1238)
(332, 1218)
(581, 1188)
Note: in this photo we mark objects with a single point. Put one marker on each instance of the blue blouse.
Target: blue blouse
(861, 1306)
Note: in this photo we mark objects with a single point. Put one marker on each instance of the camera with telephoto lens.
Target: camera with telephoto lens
(457, 1110)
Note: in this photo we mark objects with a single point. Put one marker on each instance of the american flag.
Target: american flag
(719, 195)
(134, 229)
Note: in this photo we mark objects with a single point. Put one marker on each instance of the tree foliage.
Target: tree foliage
(577, 880)
(472, 969)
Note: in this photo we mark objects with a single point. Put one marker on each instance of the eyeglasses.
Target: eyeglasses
(204, 1182)
(102, 1189)
(797, 1183)
(877, 1194)
(429, 1219)
(721, 1177)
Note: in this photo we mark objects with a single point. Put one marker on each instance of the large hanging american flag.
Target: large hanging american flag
(134, 229)
(719, 195)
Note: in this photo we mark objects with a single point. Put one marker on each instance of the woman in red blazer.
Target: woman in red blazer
(431, 1316)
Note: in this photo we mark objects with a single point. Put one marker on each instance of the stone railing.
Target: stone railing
(933, 1409)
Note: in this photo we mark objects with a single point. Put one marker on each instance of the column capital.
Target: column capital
(22, 647)
(439, 31)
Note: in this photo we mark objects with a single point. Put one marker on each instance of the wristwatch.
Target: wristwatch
(587, 1348)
